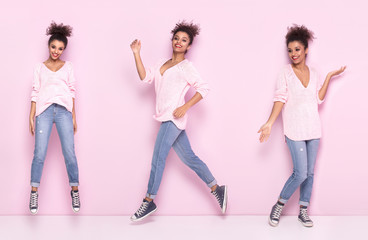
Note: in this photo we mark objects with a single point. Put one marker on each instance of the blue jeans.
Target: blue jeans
(170, 136)
(63, 120)
(303, 154)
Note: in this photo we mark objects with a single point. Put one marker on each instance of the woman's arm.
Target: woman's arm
(322, 92)
(265, 130)
(74, 117)
(32, 117)
(180, 111)
(136, 48)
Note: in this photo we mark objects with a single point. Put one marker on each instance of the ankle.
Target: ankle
(148, 199)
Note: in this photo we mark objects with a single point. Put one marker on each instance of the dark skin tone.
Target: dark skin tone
(180, 45)
(54, 64)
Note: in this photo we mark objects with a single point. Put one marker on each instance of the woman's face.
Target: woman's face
(180, 42)
(297, 52)
(56, 48)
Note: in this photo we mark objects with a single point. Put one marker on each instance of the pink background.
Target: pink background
(239, 51)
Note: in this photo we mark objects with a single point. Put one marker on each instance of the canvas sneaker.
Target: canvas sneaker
(220, 194)
(146, 209)
(275, 214)
(75, 200)
(33, 202)
(304, 218)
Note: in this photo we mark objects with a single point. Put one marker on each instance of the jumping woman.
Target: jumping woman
(173, 78)
(52, 101)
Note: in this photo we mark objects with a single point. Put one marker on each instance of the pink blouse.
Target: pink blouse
(171, 88)
(300, 113)
(53, 87)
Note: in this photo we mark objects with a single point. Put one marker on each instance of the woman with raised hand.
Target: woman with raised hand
(298, 94)
(173, 78)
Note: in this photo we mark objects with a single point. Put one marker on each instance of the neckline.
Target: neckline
(170, 67)
(305, 87)
(57, 70)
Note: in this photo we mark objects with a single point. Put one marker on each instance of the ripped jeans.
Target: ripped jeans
(303, 154)
(63, 120)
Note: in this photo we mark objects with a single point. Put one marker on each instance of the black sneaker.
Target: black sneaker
(275, 214)
(33, 202)
(146, 209)
(75, 200)
(220, 194)
(304, 218)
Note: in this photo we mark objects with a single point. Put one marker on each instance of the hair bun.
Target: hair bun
(62, 29)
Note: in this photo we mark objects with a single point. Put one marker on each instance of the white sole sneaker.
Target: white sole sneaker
(272, 223)
(306, 224)
(224, 206)
(34, 213)
(75, 210)
(140, 219)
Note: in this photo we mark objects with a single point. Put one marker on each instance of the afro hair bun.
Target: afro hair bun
(62, 29)
(299, 33)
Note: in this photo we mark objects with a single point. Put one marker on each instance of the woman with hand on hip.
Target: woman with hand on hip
(173, 78)
(52, 101)
(298, 94)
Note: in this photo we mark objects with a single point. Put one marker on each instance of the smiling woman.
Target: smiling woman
(52, 101)
(299, 89)
(173, 79)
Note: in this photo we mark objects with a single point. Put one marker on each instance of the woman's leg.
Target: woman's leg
(298, 151)
(64, 126)
(183, 149)
(166, 136)
(307, 185)
(43, 129)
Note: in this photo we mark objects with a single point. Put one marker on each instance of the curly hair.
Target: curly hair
(299, 33)
(190, 28)
(59, 32)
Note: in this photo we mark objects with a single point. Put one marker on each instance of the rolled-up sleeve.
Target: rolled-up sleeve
(195, 80)
(71, 81)
(281, 93)
(150, 75)
(36, 83)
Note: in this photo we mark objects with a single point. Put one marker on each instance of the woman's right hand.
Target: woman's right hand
(136, 46)
(265, 131)
(31, 125)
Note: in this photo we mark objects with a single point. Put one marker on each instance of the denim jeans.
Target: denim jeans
(63, 120)
(170, 136)
(303, 154)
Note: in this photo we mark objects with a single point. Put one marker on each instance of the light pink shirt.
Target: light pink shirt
(53, 87)
(172, 87)
(300, 113)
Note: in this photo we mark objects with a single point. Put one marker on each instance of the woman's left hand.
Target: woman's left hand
(180, 111)
(337, 72)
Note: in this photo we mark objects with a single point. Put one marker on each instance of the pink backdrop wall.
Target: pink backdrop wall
(239, 51)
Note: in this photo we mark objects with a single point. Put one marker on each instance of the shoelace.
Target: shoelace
(304, 214)
(217, 196)
(277, 211)
(34, 200)
(142, 209)
(75, 199)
